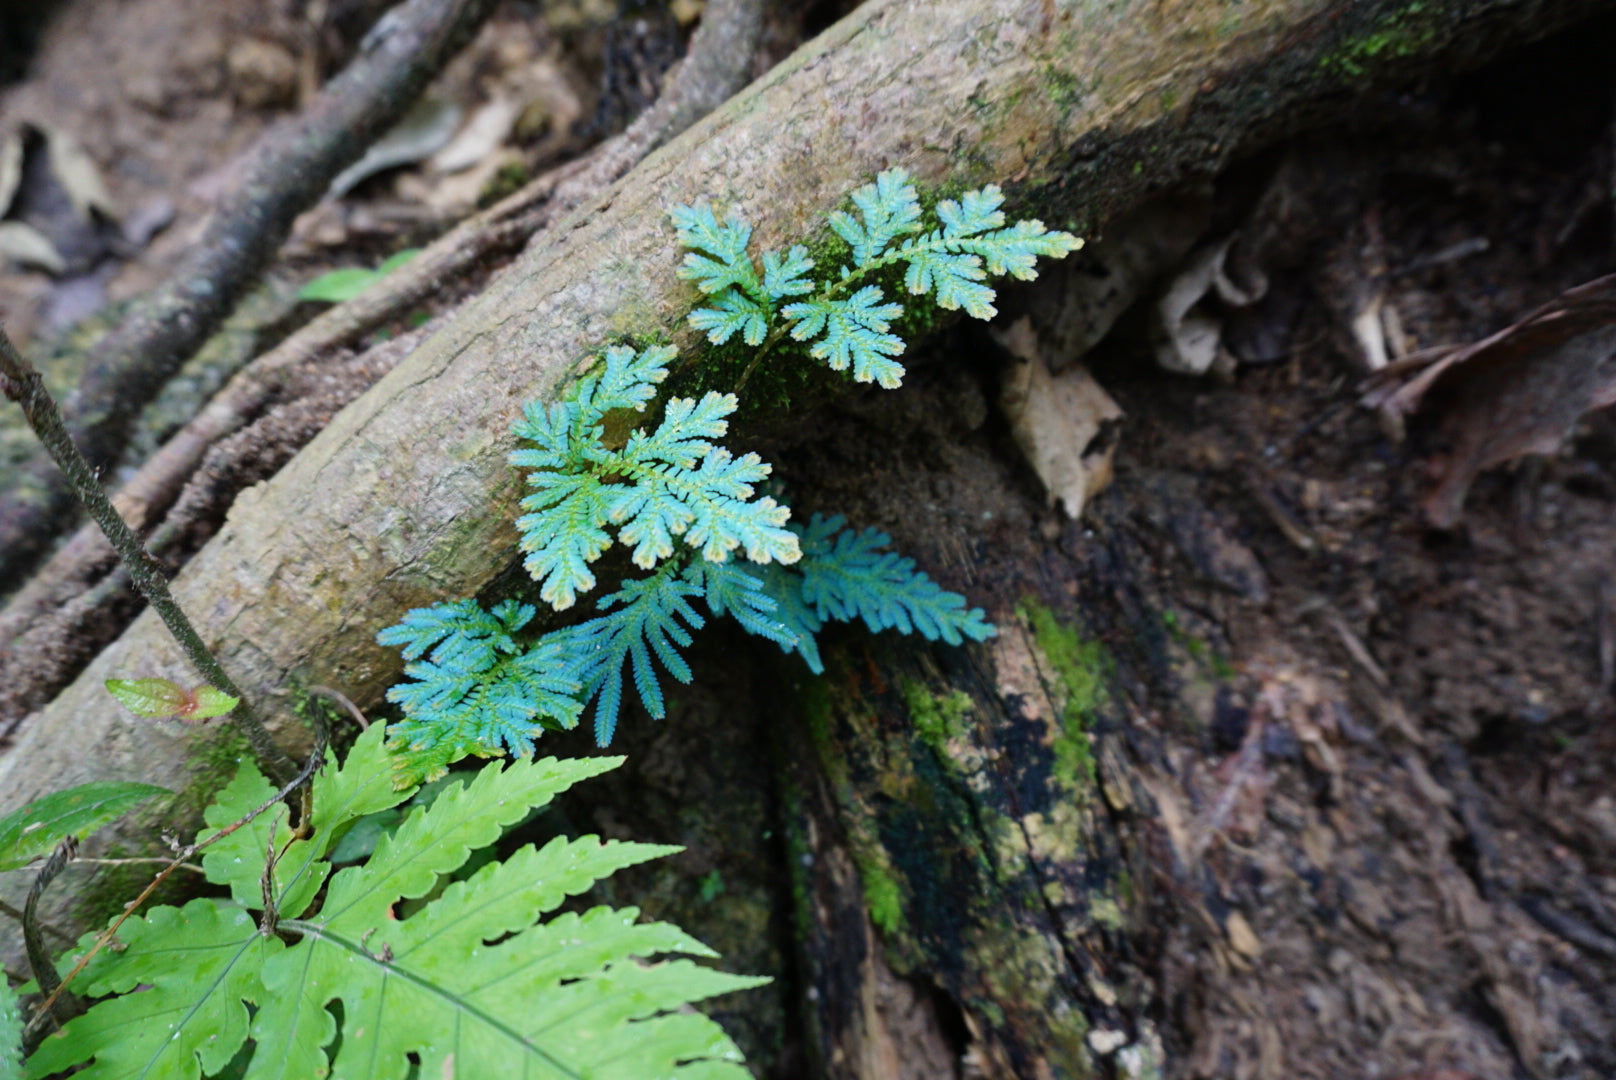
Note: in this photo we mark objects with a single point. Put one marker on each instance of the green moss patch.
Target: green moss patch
(1082, 669)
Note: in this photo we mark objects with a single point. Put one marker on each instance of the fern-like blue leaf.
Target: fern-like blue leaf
(725, 261)
(666, 494)
(653, 618)
(478, 691)
(950, 261)
(564, 532)
(955, 278)
(846, 575)
(628, 381)
(741, 595)
(888, 208)
(553, 433)
(782, 275)
(686, 433)
(566, 433)
(855, 332)
(462, 631)
(735, 313)
(783, 585)
(724, 519)
(653, 488)
(976, 212)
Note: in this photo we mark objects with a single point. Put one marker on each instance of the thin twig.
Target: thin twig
(39, 958)
(138, 861)
(20, 382)
(315, 759)
(342, 699)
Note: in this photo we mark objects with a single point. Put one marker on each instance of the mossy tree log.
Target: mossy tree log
(952, 832)
(1080, 110)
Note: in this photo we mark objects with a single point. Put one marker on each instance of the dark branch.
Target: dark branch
(20, 382)
(64, 1006)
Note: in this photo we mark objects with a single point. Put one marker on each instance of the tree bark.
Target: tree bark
(963, 817)
(1081, 111)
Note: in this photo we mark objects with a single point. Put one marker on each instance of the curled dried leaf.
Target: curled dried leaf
(1520, 391)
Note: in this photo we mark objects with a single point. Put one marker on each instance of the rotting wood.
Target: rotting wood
(960, 811)
(1086, 112)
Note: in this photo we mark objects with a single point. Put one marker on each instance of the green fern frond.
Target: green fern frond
(653, 619)
(577, 995)
(365, 784)
(889, 209)
(855, 332)
(479, 692)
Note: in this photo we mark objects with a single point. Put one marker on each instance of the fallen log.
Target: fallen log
(406, 499)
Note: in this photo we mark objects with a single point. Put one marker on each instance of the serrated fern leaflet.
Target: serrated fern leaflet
(845, 317)
(843, 576)
(855, 335)
(672, 482)
(651, 623)
(478, 692)
(577, 995)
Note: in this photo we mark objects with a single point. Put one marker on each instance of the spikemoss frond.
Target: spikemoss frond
(844, 316)
(685, 506)
(663, 484)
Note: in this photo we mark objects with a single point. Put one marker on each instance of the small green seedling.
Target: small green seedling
(345, 283)
(160, 699)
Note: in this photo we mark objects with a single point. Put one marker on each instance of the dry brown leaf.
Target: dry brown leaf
(1057, 420)
(27, 246)
(1242, 936)
(1520, 391)
(10, 167)
(78, 174)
